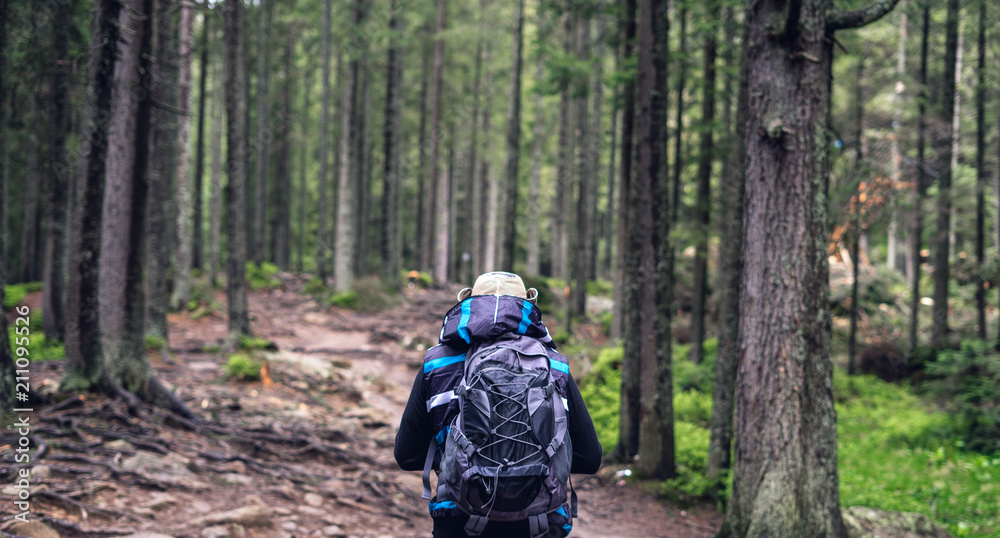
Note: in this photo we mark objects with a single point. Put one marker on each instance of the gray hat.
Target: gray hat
(499, 283)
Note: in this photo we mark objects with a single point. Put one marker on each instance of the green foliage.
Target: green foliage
(262, 276)
(152, 342)
(251, 343)
(15, 293)
(315, 286)
(243, 367)
(967, 381)
(38, 347)
(894, 454)
(690, 449)
(694, 407)
(690, 376)
(367, 295)
(601, 390)
(603, 288)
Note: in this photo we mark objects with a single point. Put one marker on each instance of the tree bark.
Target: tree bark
(197, 244)
(628, 260)
(702, 209)
(943, 145)
(609, 267)
(57, 180)
(264, 133)
(785, 475)
(7, 366)
(682, 61)
(595, 145)
(281, 192)
(29, 224)
(392, 138)
(897, 157)
(121, 293)
(533, 261)
(513, 140)
(474, 186)
(487, 198)
(306, 115)
(439, 181)
(422, 242)
(564, 184)
(857, 227)
(656, 425)
(981, 176)
(344, 249)
(322, 244)
(215, 193)
(727, 301)
(236, 147)
(160, 199)
(84, 357)
(921, 184)
(582, 227)
(182, 265)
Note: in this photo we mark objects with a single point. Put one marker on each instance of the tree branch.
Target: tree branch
(839, 20)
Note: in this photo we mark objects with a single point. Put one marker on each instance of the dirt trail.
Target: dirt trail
(341, 379)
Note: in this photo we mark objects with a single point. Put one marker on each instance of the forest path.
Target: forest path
(321, 462)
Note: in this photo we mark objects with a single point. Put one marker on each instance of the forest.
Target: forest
(766, 234)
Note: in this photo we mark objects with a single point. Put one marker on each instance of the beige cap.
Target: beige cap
(499, 283)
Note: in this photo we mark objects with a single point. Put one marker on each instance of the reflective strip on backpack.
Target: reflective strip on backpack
(557, 365)
(442, 361)
(443, 398)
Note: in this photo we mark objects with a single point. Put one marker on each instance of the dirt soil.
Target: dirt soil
(308, 454)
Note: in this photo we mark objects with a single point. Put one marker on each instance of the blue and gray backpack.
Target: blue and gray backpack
(507, 453)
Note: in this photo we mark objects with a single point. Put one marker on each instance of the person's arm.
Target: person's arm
(415, 429)
(586, 448)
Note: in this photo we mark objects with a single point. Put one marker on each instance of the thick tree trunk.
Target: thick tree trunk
(322, 244)
(679, 160)
(29, 224)
(513, 139)
(981, 176)
(160, 198)
(182, 265)
(728, 290)
(628, 259)
(921, 184)
(344, 249)
(583, 225)
(264, 134)
(236, 148)
(943, 144)
(595, 145)
(439, 181)
(84, 357)
(197, 244)
(474, 187)
(422, 242)
(215, 193)
(7, 365)
(392, 138)
(655, 285)
(306, 115)
(121, 293)
(857, 227)
(533, 262)
(281, 192)
(785, 475)
(57, 180)
(897, 157)
(702, 208)
(487, 200)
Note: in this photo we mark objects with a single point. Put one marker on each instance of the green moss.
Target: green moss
(250, 343)
(153, 343)
(603, 288)
(243, 367)
(262, 276)
(345, 299)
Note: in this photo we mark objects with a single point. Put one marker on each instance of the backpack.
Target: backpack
(507, 453)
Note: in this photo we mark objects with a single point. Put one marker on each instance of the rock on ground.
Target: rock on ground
(864, 522)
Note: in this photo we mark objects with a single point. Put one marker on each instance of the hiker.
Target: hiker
(495, 412)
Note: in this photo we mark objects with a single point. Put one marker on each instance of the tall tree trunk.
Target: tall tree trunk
(857, 230)
(474, 188)
(784, 393)
(160, 199)
(84, 357)
(564, 180)
(423, 243)
(281, 192)
(487, 200)
(322, 244)
(346, 185)
(921, 184)
(897, 157)
(259, 187)
(392, 138)
(29, 224)
(439, 181)
(608, 267)
(596, 143)
(533, 265)
(121, 293)
(628, 259)
(215, 194)
(702, 208)
(7, 365)
(956, 124)
(981, 176)
(182, 266)
(306, 115)
(682, 62)
(511, 164)
(582, 227)
(57, 180)
(236, 148)
(197, 244)
(362, 185)
(655, 286)
(727, 292)
(939, 332)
